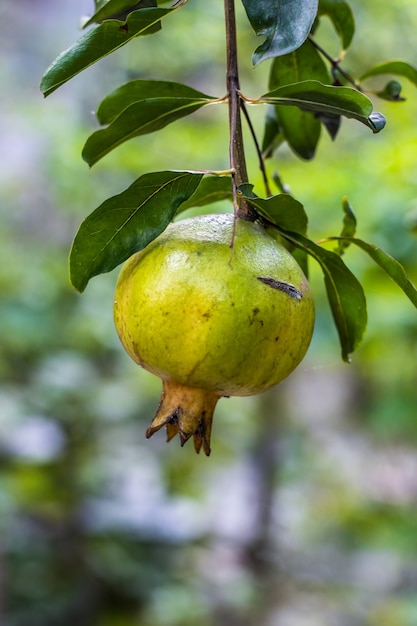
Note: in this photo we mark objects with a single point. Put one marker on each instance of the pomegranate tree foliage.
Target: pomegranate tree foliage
(308, 91)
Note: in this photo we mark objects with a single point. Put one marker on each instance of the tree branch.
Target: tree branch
(236, 145)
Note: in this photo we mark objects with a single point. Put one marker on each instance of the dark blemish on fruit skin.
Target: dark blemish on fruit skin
(255, 312)
(281, 286)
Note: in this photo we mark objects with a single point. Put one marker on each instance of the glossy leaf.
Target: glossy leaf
(211, 189)
(398, 68)
(282, 210)
(140, 90)
(391, 266)
(99, 4)
(285, 24)
(117, 9)
(341, 15)
(279, 183)
(300, 128)
(138, 108)
(344, 292)
(313, 96)
(330, 122)
(126, 223)
(348, 228)
(273, 136)
(98, 43)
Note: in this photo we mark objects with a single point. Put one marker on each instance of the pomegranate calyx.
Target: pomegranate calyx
(187, 412)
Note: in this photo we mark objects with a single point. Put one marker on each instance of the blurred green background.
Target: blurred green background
(306, 512)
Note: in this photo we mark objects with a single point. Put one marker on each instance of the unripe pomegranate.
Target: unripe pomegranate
(214, 309)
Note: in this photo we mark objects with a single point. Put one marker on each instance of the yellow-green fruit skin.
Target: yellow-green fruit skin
(196, 310)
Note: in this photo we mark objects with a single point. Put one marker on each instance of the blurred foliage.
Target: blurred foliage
(305, 514)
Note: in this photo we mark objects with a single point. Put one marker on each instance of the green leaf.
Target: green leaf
(140, 90)
(138, 108)
(126, 223)
(273, 137)
(330, 122)
(211, 189)
(391, 266)
(344, 292)
(391, 92)
(117, 9)
(348, 229)
(398, 68)
(300, 128)
(99, 4)
(285, 24)
(281, 210)
(98, 43)
(342, 17)
(311, 95)
(279, 183)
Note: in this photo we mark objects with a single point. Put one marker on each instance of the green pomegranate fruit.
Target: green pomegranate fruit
(214, 307)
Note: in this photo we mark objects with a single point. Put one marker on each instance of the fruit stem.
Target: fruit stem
(236, 145)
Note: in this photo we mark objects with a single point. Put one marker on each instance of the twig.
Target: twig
(257, 147)
(236, 146)
(335, 63)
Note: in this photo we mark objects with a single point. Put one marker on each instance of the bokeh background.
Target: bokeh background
(306, 512)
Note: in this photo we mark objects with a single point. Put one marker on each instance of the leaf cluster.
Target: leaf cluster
(308, 91)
